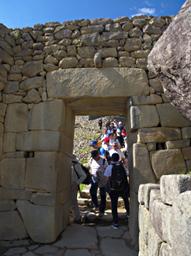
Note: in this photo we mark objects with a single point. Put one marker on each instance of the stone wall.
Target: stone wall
(52, 72)
(164, 217)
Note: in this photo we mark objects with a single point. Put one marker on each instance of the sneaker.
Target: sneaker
(115, 226)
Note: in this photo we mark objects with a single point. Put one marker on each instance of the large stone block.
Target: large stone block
(43, 223)
(168, 161)
(173, 185)
(186, 133)
(144, 193)
(186, 153)
(158, 134)
(7, 205)
(38, 141)
(146, 100)
(92, 82)
(9, 143)
(9, 194)
(143, 116)
(177, 144)
(154, 242)
(41, 172)
(12, 171)
(181, 225)
(160, 215)
(170, 117)
(44, 199)
(11, 226)
(47, 116)
(144, 226)
(16, 118)
(142, 171)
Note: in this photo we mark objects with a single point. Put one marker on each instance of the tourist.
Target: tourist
(97, 168)
(117, 187)
(78, 176)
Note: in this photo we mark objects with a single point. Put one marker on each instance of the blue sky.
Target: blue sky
(23, 13)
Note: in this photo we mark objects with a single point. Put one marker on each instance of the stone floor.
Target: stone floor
(95, 237)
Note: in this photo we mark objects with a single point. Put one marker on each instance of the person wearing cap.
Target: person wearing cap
(97, 168)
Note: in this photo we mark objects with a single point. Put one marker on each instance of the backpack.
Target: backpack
(88, 178)
(118, 179)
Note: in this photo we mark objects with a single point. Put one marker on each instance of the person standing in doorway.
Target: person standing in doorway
(97, 168)
(78, 176)
(118, 186)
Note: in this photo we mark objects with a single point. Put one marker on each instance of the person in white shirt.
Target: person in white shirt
(77, 177)
(97, 168)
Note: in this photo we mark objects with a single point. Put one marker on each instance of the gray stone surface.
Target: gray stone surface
(7, 205)
(78, 237)
(144, 193)
(139, 117)
(170, 117)
(39, 228)
(108, 231)
(158, 134)
(170, 59)
(37, 141)
(142, 171)
(12, 171)
(77, 252)
(31, 69)
(173, 185)
(45, 164)
(16, 118)
(47, 116)
(169, 161)
(115, 247)
(181, 225)
(147, 100)
(11, 226)
(178, 144)
(86, 82)
(186, 133)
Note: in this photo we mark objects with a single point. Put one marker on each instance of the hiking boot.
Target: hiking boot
(115, 226)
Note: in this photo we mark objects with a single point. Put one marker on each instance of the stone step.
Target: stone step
(87, 202)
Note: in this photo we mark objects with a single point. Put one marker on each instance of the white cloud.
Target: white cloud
(145, 11)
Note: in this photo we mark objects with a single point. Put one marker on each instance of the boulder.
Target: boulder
(170, 59)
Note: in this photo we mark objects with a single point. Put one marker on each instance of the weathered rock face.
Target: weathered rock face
(170, 59)
(164, 212)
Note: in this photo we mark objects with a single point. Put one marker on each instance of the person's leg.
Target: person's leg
(114, 201)
(125, 196)
(103, 200)
(74, 202)
(93, 193)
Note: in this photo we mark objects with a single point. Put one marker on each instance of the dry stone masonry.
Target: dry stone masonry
(164, 217)
(52, 72)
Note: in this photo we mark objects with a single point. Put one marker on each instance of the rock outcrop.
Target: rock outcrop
(171, 60)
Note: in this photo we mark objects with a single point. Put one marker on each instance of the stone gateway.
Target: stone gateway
(52, 72)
